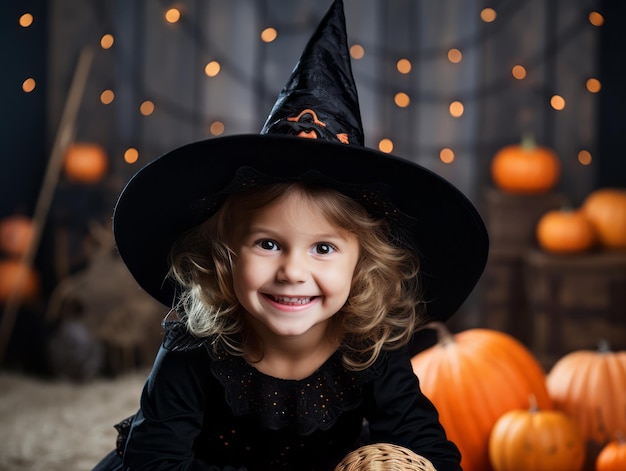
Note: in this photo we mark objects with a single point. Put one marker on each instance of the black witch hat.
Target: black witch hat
(313, 133)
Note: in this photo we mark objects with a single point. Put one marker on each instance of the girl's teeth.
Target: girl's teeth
(287, 300)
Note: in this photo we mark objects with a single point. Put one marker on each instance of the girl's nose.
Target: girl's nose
(293, 269)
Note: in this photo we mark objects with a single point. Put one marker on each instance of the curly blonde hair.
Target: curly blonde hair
(384, 306)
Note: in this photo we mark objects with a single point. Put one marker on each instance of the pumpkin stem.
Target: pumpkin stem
(532, 401)
(528, 141)
(444, 336)
(604, 346)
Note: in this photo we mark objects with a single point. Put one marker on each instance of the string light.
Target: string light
(107, 97)
(217, 128)
(131, 155)
(557, 102)
(585, 157)
(519, 72)
(402, 100)
(146, 108)
(172, 15)
(456, 109)
(268, 35)
(593, 85)
(488, 15)
(212, 69)
(26, 20)
(385, 145)
(106, 42)
(29, 85)
(596, 18)
(455, 56)
(357, 51)
(404, 66)
(446, 155)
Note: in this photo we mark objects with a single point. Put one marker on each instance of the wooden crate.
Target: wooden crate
(575, 301)
(503, 304)
(511, 218)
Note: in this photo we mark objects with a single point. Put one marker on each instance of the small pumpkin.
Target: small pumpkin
(606, 209)
(565, 231)
(541, 440)
(525, 168)
(613, 456)
(85, 162)
(16, 235)
(472, 378)
(590, 387)
(17, 278)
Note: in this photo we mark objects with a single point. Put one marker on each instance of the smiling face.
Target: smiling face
(292, 269)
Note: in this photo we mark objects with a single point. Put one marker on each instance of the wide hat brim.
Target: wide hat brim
(164, 200)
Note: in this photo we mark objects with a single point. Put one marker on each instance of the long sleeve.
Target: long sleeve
(401, 414)
(171, 415)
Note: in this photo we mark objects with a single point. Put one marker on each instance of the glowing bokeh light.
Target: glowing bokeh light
(217, 128)
(519, 72)
(146, 108)
(29, 85)
(402, 100)
(446, 155)
(585, 157)
(26, 20)
(357, 51)
(593, 85)
(557, 102)
(385, 145)
(488, 15)
(107, 41)
(455, 56)
(212, 69)
(404, 66)
(596, 18)
(172, 15)
(107, 97)
(269, 34)
(456, 109)
(131, 155)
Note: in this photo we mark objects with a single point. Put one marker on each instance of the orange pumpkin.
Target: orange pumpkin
(525, 168)
(15, 276)
(613, 456)
(16, 235)
(473, 377)
(538, 440)
(565, 231)
(590, 386)
(85, 162)
(606, 209)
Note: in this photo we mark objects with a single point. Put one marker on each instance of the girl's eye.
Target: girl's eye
(267, 244)
(323, 248)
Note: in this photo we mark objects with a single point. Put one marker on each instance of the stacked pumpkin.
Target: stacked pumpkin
(506, 414)
(599, 222)
(16, 277)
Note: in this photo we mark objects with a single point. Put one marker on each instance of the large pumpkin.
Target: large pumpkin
(85, 162)
(538, 440)
(16, 235)
(473, 377)
(606, 209)
(525, 168)
(613, 456)
(565, 231)
(17, 278)
(590, 386)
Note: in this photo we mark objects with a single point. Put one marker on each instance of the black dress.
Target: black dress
(202, 410)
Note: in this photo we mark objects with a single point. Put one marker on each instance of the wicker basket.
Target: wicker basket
(384, 457)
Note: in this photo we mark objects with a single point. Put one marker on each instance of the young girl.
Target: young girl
(300, 270)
